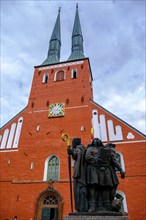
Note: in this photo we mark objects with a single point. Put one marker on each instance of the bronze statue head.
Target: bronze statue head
(75, 142)
(111, 145)
(97, 142)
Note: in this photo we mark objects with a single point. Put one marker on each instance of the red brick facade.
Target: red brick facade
(22, 164)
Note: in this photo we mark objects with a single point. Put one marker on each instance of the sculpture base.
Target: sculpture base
(102, 215)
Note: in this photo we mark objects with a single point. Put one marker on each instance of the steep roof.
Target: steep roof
(54, 44)
(77, 39)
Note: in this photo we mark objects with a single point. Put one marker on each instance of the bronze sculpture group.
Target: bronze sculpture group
(95, 179)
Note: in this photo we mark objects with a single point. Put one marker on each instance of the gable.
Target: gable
(10, 132)
(110, 128)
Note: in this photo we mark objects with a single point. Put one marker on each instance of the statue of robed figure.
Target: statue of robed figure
(102, 180)
(95, 179)
(78, 152)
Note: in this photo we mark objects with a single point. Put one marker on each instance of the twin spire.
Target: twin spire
(55, 42)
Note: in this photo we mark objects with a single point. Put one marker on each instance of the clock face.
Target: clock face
(56, 110)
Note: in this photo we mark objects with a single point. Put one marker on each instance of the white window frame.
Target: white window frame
(122, 160)
(17, 133)
(124, 200)
(46, 167)
(44, 78)
(4, 139)
(11, 135)
(56, 75)
(72, 72)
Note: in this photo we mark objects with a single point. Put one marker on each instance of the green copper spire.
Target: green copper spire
(77, 39)
(54, 44)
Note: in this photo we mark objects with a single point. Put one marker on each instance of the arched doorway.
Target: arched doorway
(49, 205)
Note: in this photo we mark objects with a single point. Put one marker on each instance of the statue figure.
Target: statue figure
(93, 163)
(114, 188)
(80, 188)
(117, 203)
(101, 176)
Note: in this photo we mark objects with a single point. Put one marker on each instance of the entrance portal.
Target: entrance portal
(49, 214)
(49, 205)
(50, 208)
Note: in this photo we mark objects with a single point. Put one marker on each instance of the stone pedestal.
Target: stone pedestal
(97, 216)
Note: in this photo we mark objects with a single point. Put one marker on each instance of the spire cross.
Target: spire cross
(59, 9)
(77, 5)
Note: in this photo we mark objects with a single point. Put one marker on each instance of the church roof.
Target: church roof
(56, 34)
(77, 26)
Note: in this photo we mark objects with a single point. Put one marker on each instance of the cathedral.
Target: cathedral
(34, 180)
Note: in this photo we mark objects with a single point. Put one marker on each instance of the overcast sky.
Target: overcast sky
(114, 41)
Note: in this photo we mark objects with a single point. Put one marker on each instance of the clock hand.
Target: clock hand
(58, 108)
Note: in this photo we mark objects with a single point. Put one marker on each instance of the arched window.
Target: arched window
(11, 135)
(17, 133)
(120, 159)
(51, 171)
(4, 138)
(74, 74)
(45, 78)
(124, 203)
(60, 75)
